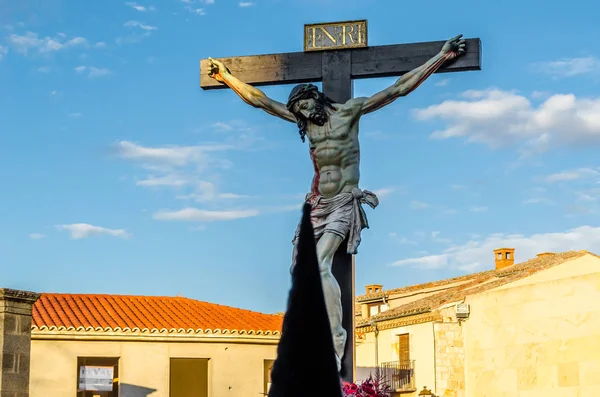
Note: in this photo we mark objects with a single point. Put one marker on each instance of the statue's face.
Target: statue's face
(305, 107)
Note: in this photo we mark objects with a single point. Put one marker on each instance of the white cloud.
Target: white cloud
(44, 69)
(581, 173)
(207, 191)
(98, 72)
(183, 168)
(222, 126)
(139, 7)
(193, 172)
(75, 115)
(442, 83)
(478, 209)
(100, 44)
(31, 41)
(384, 192)
(198, 215)
(232, 125)
(501, 118)
(538, 200)
(540, 94)
(36, 236)
(582, 186)
(166, 180)
(419, 205)
(478, 255)
(92, 71)
(197, 11)
(569, 67)
(401, 239)
(140, 31)
(435, 236)
(3, 52)
(84, 230)
(140, 25)
(171, 155)
(585, 197)
(246, 3)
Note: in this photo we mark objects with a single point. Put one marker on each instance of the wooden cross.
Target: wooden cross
(337, 69)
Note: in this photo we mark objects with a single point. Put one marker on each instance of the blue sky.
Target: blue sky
(120, 175)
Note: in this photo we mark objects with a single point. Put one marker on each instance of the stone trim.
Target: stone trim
(402, 321)
(122, 337)
(17, 302)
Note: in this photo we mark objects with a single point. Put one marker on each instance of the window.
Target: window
(373, 310)
(97, 377)
(188, 377)
(508, 255)
(267, 367)
(404, 349)
(376, 308)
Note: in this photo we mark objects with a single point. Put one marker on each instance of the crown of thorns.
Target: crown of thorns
(301, 91)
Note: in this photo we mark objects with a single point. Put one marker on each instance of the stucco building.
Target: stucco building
(530, 329)
(137, 346)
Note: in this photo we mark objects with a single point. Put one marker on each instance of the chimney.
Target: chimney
(373, 288)
(505, 257)
(545, 254)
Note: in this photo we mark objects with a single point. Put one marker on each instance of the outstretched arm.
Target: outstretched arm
(249, 94)
(411, 80)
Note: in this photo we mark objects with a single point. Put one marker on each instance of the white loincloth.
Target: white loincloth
(342, 215)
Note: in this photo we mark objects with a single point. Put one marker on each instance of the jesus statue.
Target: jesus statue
(332, 130)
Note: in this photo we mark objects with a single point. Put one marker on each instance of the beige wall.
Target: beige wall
(234, 369)
(449, 357)
(538, 337)
(421, 351)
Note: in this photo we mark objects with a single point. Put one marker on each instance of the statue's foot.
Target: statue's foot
(338, 362)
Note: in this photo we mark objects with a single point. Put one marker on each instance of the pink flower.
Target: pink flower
(368, 389)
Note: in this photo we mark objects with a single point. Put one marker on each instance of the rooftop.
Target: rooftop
(461, 287)
(147, 314)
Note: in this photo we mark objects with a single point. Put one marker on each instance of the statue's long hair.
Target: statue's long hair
(319, 116)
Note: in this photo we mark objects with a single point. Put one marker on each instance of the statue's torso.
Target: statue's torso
(336, 153)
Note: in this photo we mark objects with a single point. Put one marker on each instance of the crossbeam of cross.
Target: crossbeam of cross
(338, 68)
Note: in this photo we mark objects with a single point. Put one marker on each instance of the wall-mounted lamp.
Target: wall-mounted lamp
(426, 392)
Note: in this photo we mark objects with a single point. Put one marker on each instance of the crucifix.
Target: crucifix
(336, 54)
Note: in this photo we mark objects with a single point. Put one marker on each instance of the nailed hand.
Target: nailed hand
(455, 46)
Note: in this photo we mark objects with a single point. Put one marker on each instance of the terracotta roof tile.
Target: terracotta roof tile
(114, 313)
(418, 287)
(476, 283)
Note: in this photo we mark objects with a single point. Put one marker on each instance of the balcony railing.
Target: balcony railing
(400, 375)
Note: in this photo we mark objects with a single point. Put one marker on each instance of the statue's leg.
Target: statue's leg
(326, 248)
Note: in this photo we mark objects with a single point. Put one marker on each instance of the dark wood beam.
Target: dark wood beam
(370, 62)
(395, 60)
(337, 80)
(260, 70)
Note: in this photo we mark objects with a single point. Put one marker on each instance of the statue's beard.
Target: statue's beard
(319, 116)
